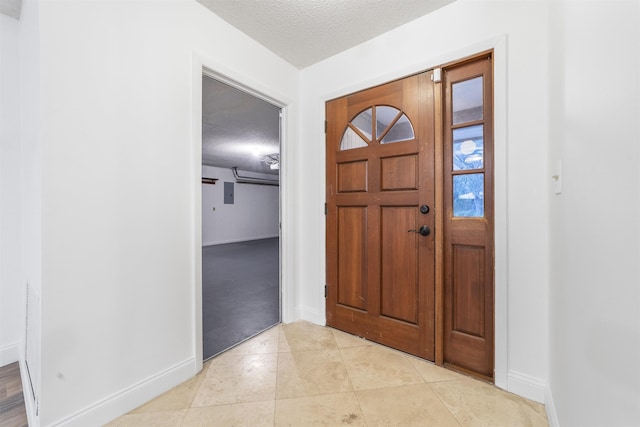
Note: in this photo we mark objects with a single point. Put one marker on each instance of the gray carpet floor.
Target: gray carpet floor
(240, 292)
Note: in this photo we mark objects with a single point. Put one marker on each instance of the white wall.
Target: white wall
(12, 291)
(118, 195)
(253, 215)
(594, 374)
(106, 129)
(31, 196)
(519, 29)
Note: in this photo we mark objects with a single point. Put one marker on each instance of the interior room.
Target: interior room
(240, 216)
(102, 211)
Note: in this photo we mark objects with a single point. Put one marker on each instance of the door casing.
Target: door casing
(503, 378)
(206, 66)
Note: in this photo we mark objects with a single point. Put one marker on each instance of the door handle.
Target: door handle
(423, 231)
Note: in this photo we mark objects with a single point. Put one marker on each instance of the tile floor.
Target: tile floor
(301, 374)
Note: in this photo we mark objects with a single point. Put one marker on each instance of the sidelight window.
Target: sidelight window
(468, 148)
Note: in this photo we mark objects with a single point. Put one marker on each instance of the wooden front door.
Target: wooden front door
(380, 196)
(410, 224)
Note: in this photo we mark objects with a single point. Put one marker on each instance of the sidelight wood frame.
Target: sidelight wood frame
(479, 232)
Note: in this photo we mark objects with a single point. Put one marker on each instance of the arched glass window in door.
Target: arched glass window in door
(389, 125)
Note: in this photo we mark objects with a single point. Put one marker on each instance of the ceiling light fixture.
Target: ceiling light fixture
(273, 160)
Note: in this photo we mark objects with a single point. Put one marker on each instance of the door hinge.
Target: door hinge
(326, 210)
(325, 126)
(436, 76)
(325, 291)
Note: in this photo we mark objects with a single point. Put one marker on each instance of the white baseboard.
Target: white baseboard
(312, 315)
(526, 386)
(9, 353)
(119, 403)
(244, 239)
(550, 406)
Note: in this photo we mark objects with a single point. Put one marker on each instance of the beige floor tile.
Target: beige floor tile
(226, 358)
(327, 410)
(236, 379)
(478, 404)
(306, 366)
(179, 397)
(265, 343)
(305, 336)
(538, 407)
(253, 414)
(377, 366)
(283, 345)
(344, 339)
(409, 405)
(309, 373)
(155, 419)
(432, 373)
(240, 363)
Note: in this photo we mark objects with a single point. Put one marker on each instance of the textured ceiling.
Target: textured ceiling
(304, 32)
(237, 129)
(11, 8)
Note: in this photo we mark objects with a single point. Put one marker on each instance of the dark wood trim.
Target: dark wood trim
(469, 372)
(469, 242)
(439, 213)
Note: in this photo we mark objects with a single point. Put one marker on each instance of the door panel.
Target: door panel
(379, 172)
(400, 286)
(468, 290)
(400, 173)
(352, 176)
(352, 257)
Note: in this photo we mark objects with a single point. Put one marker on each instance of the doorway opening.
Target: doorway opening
(241, 136)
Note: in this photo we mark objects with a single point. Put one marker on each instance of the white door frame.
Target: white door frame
(206, 67)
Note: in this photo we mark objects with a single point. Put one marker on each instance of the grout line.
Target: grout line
(184, 416)
(435, 392)
(278, 354)
(346, 368)
(407, 359)
(204, 377)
